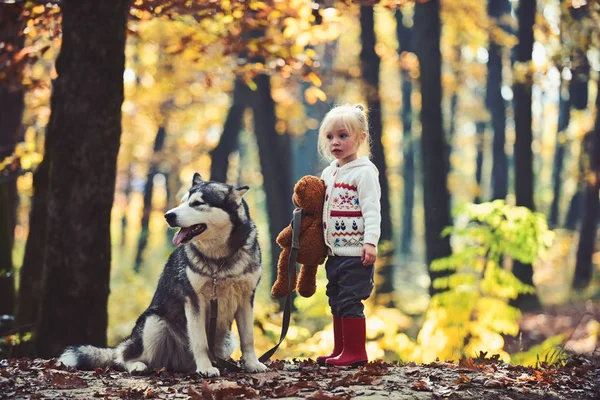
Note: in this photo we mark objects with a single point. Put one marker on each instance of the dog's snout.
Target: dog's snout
(171, 217)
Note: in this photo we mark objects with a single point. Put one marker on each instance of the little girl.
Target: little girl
(351, 225)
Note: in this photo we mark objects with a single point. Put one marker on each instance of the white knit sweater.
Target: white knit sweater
(352, 210)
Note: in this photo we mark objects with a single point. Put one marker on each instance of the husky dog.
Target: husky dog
(217, 255)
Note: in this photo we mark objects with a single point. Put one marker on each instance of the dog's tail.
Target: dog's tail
(88, 357)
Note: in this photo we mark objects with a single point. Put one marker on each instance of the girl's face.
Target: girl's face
(342, 144)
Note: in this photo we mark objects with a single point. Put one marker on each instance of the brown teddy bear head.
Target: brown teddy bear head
(309, 193)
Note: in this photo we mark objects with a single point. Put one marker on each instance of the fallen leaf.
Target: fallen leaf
(312, 384)
(421, 385)
(462, 379)
(67, 381)
(320, 395)
(285, 391)
(369, 380)
(204, 393)
(442, 391)
(468, 365)
(493, 383)
(345, 381)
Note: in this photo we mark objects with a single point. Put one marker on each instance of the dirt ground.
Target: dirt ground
(480, 379)
(470, 379)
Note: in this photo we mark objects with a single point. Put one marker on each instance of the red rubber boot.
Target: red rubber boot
(354, 352)
(337, 341)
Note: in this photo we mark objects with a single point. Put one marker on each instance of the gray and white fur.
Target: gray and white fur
(218, 240)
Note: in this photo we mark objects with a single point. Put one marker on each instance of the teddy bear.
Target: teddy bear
(309, 195)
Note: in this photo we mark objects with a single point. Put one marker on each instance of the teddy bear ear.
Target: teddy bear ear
(300, 185)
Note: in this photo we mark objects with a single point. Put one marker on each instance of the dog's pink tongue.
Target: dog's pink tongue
(179, 236)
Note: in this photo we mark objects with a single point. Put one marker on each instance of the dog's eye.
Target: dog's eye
(196, 203)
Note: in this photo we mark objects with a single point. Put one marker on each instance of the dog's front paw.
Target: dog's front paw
(209, 372)
(204, 368)
(254, 366)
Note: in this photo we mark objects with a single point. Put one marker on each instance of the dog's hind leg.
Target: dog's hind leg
(196, 328)
(129, 354)
(142, 349)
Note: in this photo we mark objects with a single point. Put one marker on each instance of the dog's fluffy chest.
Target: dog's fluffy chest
(228, 289)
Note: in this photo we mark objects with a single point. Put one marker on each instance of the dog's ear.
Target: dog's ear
(239, 192)
(196, 179)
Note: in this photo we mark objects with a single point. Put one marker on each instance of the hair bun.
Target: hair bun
(360, 107)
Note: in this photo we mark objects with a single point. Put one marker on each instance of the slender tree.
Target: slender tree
(370, 61)
(11, 110)
(82, 144)
(591, 207)
(305, 159)
(30, 274)
(274, 153)
(154, 168)
(405, 46)
(228, 142)
(523, 132)
(497, 10)
(480, 134)
(433, 145)
(126, 189)
(559, 153)
(572, 93)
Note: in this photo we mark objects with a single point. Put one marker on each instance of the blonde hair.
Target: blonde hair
(353, 118)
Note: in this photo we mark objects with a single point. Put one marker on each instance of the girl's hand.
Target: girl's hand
(368, 254)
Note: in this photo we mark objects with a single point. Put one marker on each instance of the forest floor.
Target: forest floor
(578, 378)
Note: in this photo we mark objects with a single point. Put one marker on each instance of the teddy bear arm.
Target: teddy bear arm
(284, 239)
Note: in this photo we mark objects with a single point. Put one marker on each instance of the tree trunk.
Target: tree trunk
(274, 153)
(7, 281)
(370, 61)
(30, 275)
(480, 132)
(435, 164)
(578, 87)
(153, 169)
(82, 145)
(405, 40)
(11, 111)
(523, 133)
(577, 96)
(575, 206)
(564, 113)
(497, 9)
(452, 121)
(591, 208)
(305, 158)
(228, 142)
(126, 193)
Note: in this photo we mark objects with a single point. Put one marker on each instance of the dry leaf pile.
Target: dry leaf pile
(481, 378)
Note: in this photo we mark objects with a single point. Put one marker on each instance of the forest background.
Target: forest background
(104, 119)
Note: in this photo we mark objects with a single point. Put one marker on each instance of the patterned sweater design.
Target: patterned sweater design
(351, 212)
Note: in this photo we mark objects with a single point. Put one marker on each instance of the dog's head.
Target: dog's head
(207, 211)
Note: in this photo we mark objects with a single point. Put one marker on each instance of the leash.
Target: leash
(287, 308)
(212, 331)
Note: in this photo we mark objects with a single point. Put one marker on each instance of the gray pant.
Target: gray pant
(349, 282)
